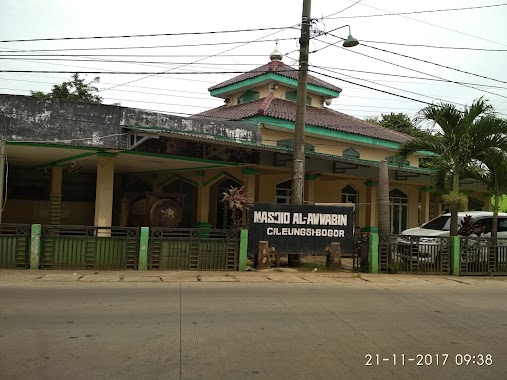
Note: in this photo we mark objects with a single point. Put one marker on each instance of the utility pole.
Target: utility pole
(2, 176)
(298, 174)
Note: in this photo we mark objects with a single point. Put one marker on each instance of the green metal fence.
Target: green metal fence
(82, 247)
(193, 249)
(483, 256)
(414, 254)
(14, 246)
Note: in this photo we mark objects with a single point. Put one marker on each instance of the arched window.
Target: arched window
(398, 203)
(284, 192)
(349, 194)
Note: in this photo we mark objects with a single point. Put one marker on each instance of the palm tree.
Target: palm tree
(492, 173)
(465, 136)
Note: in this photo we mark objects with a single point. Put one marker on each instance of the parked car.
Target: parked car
(427, 242)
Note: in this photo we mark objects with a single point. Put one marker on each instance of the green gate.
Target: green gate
(483, 256)
(414, 254)
(14, 246)
(81, 247)
(193, 249)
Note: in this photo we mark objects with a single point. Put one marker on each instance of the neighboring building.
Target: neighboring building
(92, 164)
(503, 203)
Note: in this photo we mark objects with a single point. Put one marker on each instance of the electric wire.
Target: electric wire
(344, 9)
(411, 69)
(408, 77)
(433, 63)
(198, 60)
(145, 35)
(416, 12)
(394, 88)
(149, 47)
(435, 46)
(435, 25)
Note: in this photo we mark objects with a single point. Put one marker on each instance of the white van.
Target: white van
(429, 237)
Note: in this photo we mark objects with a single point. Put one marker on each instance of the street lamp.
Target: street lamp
(298, 174)
(349, 41)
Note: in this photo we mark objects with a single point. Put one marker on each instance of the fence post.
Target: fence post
(373, 253)
(243, 247)
(35, 246)
(143, 248)
(455, 255)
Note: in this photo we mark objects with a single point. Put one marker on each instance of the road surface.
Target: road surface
(254, 330)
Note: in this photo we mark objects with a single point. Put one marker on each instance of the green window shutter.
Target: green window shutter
(293, 96)
(248, 96)
(392, 160)
(290, 144)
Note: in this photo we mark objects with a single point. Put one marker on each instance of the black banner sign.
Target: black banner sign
(303, 229)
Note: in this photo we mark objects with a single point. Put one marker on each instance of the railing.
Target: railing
(14, 246)
(193, 249)
(360, 253)
(83, 247)
(483, 256)
(414, 254)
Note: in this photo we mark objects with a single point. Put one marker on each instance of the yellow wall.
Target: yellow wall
(331, 192)
(270, 137)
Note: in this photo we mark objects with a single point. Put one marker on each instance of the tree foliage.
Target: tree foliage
(463, 139)
(75, 90)
(397, 122)
(236, 200)
(491, 171)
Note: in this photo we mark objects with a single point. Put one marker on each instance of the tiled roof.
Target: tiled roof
(321, 117)
(277, 67)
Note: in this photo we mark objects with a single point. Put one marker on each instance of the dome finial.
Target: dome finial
(276, 55)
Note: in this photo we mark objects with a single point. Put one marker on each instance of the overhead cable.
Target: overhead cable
(145, 35)
(417, 12)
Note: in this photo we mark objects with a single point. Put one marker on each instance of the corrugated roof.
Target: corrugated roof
(321, 117)
(277, 67)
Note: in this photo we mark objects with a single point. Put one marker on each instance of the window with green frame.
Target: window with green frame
(248, 96)
(393, 159)
(293, 95)
(351, 152)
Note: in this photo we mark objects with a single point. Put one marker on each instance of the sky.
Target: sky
(374, 82)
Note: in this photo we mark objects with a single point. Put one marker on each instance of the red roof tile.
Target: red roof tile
(321, 117)
(277, 67)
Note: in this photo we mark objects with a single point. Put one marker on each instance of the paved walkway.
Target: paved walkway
(261, 276)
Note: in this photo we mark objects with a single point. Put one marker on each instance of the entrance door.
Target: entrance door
(398, 202)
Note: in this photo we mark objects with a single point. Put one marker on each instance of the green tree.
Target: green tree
(464, 138)
(398, 122)
(75, 90)
(492, 173)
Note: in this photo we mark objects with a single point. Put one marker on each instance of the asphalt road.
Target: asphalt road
(251, 331)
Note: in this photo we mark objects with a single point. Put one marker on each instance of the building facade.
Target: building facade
(104, 165)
